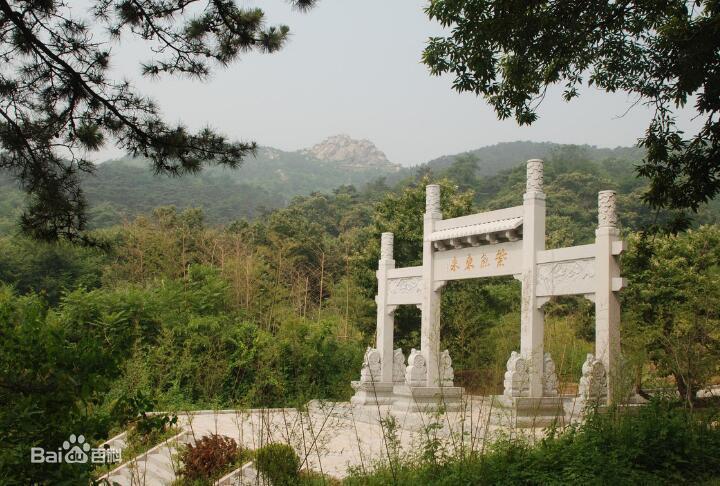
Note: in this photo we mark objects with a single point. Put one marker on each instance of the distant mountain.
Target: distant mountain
(494, 158)
(124, 188)
(349, 153)
(336, 161)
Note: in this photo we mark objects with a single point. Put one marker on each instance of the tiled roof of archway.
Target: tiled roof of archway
(497, 226)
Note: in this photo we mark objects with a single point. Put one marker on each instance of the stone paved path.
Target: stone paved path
(333, 437)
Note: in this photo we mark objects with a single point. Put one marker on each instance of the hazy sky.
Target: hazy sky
(353, 67)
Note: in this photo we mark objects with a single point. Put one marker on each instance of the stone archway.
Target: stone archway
(508, 241)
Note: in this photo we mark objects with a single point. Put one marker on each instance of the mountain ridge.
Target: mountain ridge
(491, 158)
(120, 189)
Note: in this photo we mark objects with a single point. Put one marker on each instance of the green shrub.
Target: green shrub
(660, 443)
(279, 464)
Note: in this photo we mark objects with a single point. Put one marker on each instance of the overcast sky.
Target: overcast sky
(353, 67)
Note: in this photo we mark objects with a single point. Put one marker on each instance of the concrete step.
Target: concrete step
(160, 467)
(158, 478)
(145, 474)
(244, 475)
(154, 467)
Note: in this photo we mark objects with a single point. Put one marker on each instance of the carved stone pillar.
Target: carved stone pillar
(430, 319)
(607, 305)
(532, 321)
(385, 314)
(375, 386)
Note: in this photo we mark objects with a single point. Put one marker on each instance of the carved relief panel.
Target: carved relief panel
(570, 277)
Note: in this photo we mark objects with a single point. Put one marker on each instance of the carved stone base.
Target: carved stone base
(527, 411)
(516, 382)
(369, 393)
(593, 383)
(427, 398)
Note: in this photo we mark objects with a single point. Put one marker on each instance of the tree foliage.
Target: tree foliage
(664, 53)
(182, 315)
(58, 100)
(672, 305)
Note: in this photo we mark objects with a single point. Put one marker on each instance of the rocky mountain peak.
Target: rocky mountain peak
(352, 152)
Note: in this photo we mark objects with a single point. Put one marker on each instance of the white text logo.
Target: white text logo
(73, 451)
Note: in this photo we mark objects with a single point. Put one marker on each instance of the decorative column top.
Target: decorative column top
(432, 198)
(607, 215)
(386, 246)
(534, 176)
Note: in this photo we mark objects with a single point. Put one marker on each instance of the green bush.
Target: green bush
(279, 464)
(93, 363)
(661, 443)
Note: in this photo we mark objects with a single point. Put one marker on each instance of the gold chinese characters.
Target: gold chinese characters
(501, 257)
(454, 265)
(469, 263)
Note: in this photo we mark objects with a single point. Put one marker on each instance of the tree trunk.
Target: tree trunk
(686, 390)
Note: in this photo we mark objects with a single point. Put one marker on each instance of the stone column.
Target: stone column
(430, 320)
(607, 305)
(385, 318)
(532, 320)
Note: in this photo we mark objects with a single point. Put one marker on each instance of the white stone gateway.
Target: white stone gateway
(508, 241)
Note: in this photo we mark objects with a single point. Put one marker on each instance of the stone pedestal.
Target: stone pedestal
(416, 371)
(371, 389)
(427, 399)
(527, 411)
(593, 390)
(369, 393)
(550, 379)
(516, 377)
(516, 407)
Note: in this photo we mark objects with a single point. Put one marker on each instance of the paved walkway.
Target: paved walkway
(332, 437)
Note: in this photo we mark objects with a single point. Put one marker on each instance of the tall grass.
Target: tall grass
(661, 443)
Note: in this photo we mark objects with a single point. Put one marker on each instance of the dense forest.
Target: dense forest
(205, 305)
(121, 189)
